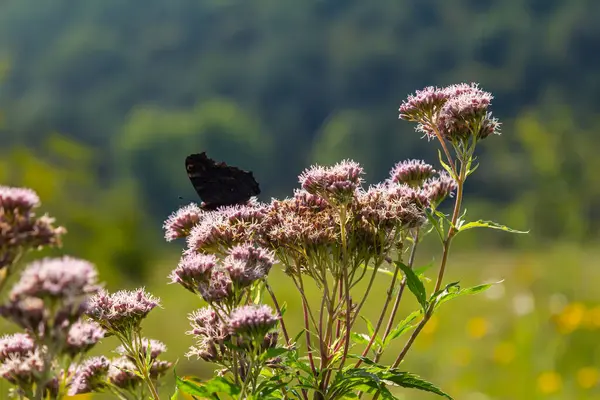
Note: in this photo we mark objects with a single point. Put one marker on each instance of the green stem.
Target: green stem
(446, 250)
(394, 311)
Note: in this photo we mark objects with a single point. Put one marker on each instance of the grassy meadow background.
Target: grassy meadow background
(101, 100)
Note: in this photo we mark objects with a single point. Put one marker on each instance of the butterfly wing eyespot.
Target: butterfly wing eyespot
(218, 184)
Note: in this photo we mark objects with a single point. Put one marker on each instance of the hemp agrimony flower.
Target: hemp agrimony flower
(253, 321)
(337, 236)
(246, 264)
(193, 270)
(21, 229)
(438, 188)
(465, 114)
(121, 314)
(83, 336)
(180, 223)
(412, 172)
(63, 278)
(122, 374)
(90, 376)
(336, 183)
(18, 344)
(122, 311)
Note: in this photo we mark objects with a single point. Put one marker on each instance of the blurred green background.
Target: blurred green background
(101, 100)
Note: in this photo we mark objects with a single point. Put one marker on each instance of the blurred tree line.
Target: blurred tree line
(275, 85)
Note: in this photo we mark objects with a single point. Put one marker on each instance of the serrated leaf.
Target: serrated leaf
(488, 224)
(408, 380)
(414, 284)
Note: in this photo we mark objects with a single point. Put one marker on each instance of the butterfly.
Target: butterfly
(219, 184)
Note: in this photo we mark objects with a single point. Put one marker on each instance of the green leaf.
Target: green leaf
(444, 165)
(451, 287)
(370, 327)
(283, 308)
(414, 284)
(422, 269)
(403, 326)
(362, 338)
(408, 380)
(267, 387)
(295, 339)
(444, 297)
(207, 389)
(488, 224)
(275, 352)
(436, 225)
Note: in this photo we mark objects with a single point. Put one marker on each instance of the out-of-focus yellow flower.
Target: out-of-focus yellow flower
(462, 356)
(587, 377)
(477, 327)
(591, 319)
(86, 396)
(431, 325)
(504, 353)
(570, 318)
(549, 382)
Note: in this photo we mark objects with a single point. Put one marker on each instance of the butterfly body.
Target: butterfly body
(219, 184)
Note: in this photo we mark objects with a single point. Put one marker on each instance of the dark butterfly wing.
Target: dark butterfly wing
(219, 184)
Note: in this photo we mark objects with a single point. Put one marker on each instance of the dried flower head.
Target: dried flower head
(193, 269)
(122, 374)
(122, 310)
(66, 278)
(247, 264)
(337, 183)
(83, 336)
(18, 200)
(180, 223)
(411, 172)
(252, 320)
(90, 376)
(15, 345)
(437, 189)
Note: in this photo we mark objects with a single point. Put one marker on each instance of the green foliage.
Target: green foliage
(104, 225)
